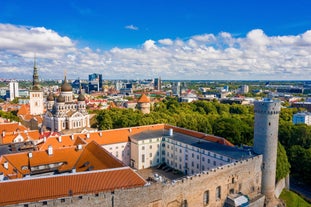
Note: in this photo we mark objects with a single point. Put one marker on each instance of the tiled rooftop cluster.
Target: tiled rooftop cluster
(60, 165)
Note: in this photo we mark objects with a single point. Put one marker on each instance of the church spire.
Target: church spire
(35, 77)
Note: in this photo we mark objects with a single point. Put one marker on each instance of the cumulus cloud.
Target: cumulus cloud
(203, 56)
(131, 27)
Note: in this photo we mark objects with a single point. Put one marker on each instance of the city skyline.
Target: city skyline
(258, 40)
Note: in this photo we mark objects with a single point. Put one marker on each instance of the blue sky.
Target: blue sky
(177, 39)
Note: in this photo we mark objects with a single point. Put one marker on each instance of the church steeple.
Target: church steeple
(35, 77)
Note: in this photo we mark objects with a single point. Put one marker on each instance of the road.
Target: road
(301, 189)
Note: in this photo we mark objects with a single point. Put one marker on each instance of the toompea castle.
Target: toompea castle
(154, 165)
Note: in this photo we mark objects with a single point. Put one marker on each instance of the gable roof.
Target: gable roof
(52, 187)
(101, 159)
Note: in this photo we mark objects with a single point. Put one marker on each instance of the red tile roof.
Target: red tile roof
(11, 127)
(26, 135)
(40, 189)
(101, 159)
(24, 109)
(143, 99)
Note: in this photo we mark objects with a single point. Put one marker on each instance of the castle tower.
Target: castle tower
(143, 104)
(266, 141)
(36, 95)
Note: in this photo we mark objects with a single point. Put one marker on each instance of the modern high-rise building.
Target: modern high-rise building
(266, 141)
(157, 84)
(95, 82)
(13, 88)
(244, 89)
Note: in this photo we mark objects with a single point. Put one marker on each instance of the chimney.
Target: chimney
(72, 137)
(100, 134)
(88, 135)
(60, 139)
(50, 150)
(3, 133)
(170, 133)
(79, 147)
(6, 165)
(30, 154)
(44, 139)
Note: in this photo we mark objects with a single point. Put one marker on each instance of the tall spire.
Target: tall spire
(35, 77)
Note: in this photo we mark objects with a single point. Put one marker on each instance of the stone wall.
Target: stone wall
(243, 176)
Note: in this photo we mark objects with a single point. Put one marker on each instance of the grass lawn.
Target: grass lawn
(293, 200)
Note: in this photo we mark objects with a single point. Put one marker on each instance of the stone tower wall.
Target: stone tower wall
(266, 141)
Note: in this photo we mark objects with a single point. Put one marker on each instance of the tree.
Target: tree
(104, 120)
(282, 164)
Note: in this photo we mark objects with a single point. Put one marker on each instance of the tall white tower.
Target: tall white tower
(13, 87)
(36, 94)
(266, 141)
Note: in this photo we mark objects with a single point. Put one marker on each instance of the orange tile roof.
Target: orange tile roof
(52, 187)
(27, 135)
(143, 99)
(11, 127)
(67, 156)
(101, 159)
(24, 109)
(57, 142)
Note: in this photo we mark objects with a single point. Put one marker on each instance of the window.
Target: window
(184, 203)
(231, 191)
(192, 164)
(208, 161)
(150, 155)
(214, 163)
(150, 147)
(143, 147)
(198, 157)
(163, 152)
(218, 193)
(186, 157)
(192, 155)
(142, 158)
(203, 159)
(206, 197)
(180, 151)
(198, 167)
(203, 168)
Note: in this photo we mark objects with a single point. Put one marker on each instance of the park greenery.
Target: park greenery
(233, 122)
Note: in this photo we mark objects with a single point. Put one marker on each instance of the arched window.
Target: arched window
(218, 193)
(184, 203)
(206, 197)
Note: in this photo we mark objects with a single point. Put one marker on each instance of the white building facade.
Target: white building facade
(302, 118)
(187, 154)
(13, 88)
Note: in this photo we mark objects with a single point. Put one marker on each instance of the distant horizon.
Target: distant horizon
(225, 40)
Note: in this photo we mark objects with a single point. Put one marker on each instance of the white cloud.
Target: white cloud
(166, 41)
(206, 56)
(131, 27)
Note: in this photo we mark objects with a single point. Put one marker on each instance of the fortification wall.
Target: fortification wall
(243, 176)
